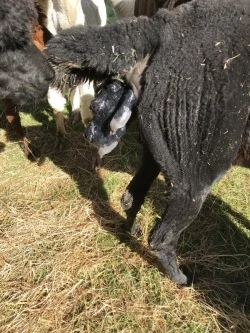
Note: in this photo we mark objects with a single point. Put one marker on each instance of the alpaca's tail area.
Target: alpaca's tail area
(95, 53)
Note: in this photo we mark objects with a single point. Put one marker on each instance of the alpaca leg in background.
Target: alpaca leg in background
(10, 108)
(58, 102)
(12, 115)
(76, 105)
(61, 15)
(136, 191)
(87, 94)
(80, 100)
(95, 14)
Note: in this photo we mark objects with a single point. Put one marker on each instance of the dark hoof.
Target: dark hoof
(97, 162)
(2, 146)
(192, 278)
(132, 227)
(178, 277)
(29, 151)
(170, 268)
(126, 200)
(60, 142)
(75, 117)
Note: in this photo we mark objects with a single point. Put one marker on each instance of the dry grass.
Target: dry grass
(66, 265)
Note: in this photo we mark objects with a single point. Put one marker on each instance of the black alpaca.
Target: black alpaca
(24, 72)
(193, 104)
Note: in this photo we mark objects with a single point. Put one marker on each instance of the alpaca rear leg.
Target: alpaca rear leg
(136, 191)
(181, 211)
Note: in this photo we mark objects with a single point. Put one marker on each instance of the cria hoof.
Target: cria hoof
(132, 227)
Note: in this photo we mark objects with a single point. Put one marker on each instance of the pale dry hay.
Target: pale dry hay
(62, 269)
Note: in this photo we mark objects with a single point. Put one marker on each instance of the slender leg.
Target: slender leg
(183, 206)
(58, 102)
(136, 191)
(80, 101)
(13, 117)
(60, 129)
(76, 105)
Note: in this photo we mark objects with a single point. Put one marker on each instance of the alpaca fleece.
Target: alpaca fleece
(24, 72)
(62, 14)
(193, 105)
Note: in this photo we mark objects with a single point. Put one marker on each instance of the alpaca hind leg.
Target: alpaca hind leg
(182, 208)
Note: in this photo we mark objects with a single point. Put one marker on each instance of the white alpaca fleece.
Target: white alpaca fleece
(123, 8)
(56, 99)
(64, 14)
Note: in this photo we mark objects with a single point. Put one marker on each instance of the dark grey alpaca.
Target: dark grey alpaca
(193, 103)
(24, 72)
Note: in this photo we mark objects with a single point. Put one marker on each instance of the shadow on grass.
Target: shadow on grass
(216, 249)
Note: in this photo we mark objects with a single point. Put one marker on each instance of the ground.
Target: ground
(67, 266)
